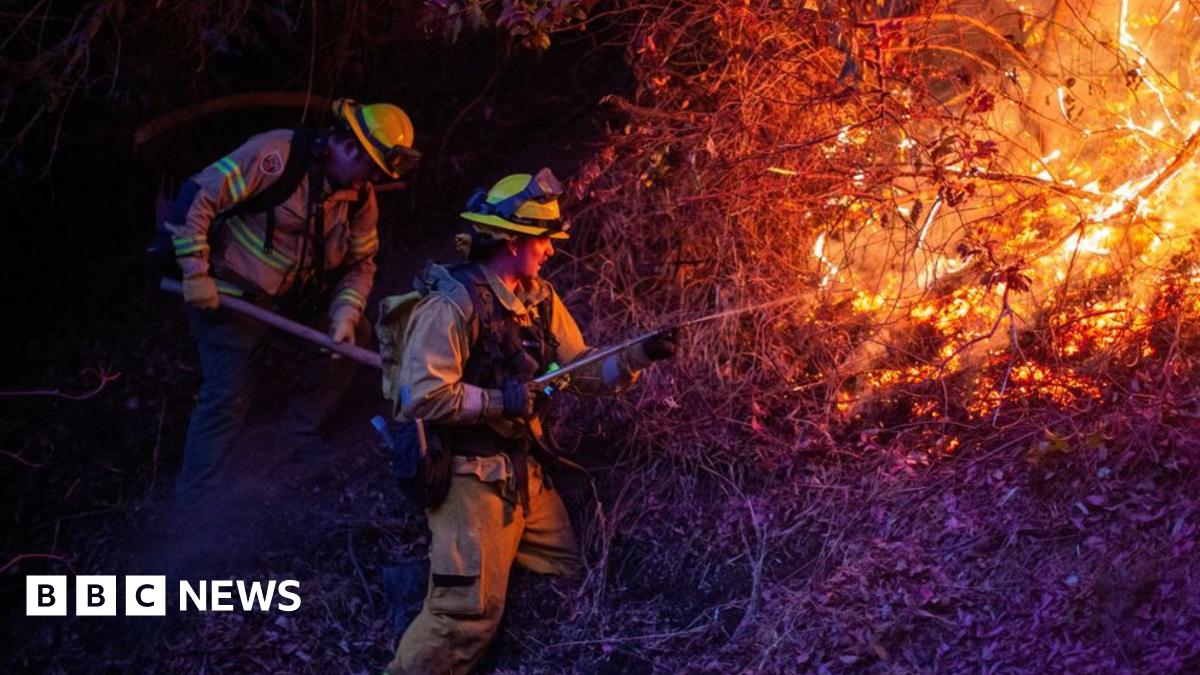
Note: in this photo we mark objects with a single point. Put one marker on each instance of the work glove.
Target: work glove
(518, 399)
(200, 291)
(341, 326)
(342, 331)
(661, 346)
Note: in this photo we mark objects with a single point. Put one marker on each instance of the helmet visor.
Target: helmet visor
(401, 159)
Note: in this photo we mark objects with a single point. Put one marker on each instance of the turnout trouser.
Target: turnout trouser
(477, 535)
(231, 347)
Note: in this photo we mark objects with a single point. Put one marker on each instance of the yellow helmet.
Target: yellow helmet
(520, 203)
(384, 130)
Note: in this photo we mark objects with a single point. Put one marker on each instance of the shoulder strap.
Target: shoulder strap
(490, 334)
(546, 319)
(482, 299)
(278, 192)
(315, 216)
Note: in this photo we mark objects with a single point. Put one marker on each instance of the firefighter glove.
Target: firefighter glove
(341, 326)
(661, 346)
(342, 330)
(518, 399)
(200, 291)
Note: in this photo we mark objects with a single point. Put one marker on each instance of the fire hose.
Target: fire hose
(602, 353)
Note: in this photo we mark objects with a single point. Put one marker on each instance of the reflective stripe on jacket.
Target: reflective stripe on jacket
(237, 254)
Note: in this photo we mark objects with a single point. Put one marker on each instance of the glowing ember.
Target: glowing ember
(1029, 383)
(1033, 285)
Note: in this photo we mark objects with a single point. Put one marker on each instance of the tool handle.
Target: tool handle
(352, 352)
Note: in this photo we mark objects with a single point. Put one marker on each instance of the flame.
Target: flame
(1092, 243)
(1126, 40)
(819, 253)
(1081, 256)
(865, 302)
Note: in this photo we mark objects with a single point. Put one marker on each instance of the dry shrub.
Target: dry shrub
(868, 473)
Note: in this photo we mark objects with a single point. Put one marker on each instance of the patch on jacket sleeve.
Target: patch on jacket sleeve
(271, 163)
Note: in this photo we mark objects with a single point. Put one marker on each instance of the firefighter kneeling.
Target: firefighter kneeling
(479, 332)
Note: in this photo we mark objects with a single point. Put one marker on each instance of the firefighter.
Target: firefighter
(481, 331)
(287, 221)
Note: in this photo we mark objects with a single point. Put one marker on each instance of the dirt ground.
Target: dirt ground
(333, 524)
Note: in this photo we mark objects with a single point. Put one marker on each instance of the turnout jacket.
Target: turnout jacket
(438, 342)
(237, 255)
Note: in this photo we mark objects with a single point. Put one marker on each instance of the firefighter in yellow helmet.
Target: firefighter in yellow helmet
(483, 329)
(288, 221)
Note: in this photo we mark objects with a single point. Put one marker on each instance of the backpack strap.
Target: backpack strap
(316, 216)
(276, 193)
(546, 313)
(486, 363)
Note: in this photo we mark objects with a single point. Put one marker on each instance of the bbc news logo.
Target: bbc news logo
(146, 595)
